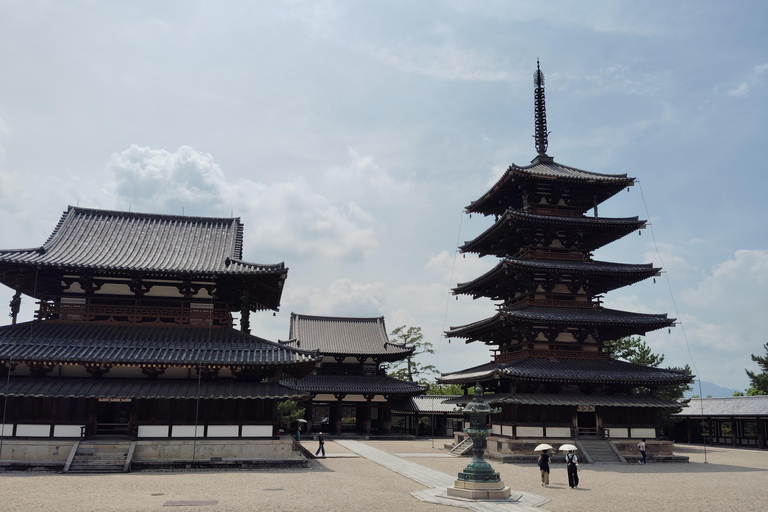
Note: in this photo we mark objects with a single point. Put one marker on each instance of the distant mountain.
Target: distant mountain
(709, 389)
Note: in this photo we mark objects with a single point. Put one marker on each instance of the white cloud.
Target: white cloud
(463, 269)
(762, 68)
(736, 285)
(740, 91)
(361, 177)
(287, 217)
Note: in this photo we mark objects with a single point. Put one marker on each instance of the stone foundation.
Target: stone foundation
(479, 490)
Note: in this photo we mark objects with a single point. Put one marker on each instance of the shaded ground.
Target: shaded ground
(731, 480)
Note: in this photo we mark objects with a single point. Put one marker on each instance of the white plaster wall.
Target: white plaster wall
(530, 432)
(27, 430)
(223, 430)
(187, 431)
(507, 430)
(257, 430)
(561, 432)
(67, 430)
(153, 431)
(496, 429)
(644, 433)
(619, 433)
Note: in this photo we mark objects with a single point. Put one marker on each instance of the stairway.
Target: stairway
(600, 451)
(102, 456)
(463, 447)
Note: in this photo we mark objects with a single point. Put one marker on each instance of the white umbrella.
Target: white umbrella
(302, 420)
(543, 446)
(568, 448)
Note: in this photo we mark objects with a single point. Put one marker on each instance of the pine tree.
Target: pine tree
(759, 381)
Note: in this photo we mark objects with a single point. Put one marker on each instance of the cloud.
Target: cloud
(740, 91)
(762, 68)
(362, 178)
(736, 285)
(287, 217)
(447, 264)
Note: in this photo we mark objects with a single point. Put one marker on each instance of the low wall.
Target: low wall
(163, 450)
(35, 453)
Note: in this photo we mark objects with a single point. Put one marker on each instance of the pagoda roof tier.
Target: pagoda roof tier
(174, 389)
(353, 384)
(147, 345)
(112, 243)
(511, 274)
(569, 400)
(505, 325)
(507, 191)
(570, 371)
(514, 231)
(345, 336)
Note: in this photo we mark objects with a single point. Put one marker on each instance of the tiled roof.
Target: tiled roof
(426, 404)
(344, 336)
(730, 406)
(595, 231)
(571, 400)
(160, 244)
(353, 384)
(604, 276)
(603, 186)
(555, 170)
(569, 371)
(146, 388)
(137, 344)
(585, 317)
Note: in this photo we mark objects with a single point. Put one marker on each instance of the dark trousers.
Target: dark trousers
(321, 448)
(643, 454)
(573, 475)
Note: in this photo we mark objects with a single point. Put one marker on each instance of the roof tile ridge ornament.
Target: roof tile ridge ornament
(540, 114)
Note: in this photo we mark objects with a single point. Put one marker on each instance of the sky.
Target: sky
(349, 136)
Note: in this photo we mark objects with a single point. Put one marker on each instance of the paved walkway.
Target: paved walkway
(437, 483)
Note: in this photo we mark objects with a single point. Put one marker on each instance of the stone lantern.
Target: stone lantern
(478, 480)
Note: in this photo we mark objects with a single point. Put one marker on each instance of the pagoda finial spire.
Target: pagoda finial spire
(540, 109)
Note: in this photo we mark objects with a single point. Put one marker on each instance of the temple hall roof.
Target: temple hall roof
(428, 404)
(614, 323)
(728, 406)
(353, 336)
(353, 384)
(569, 400)
(497, 198)
(146, 344)
(542, 369)
(147, 389)
(161, 244)
(603, 276)
(595, 232)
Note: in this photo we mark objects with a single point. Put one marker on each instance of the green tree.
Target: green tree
(409, 368)
(288, 411)
(444, 389)
(634, 350)
(759, 381)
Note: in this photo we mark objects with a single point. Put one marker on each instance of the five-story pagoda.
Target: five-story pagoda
(551, 371)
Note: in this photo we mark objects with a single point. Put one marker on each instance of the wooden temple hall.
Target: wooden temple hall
(134, 335)
(350, 391)
(551, 372)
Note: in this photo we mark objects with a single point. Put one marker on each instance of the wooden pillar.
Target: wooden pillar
(367, 414)
(761, 427)
(308, 413)
(336, 412)
(733, 432)
(386, 417)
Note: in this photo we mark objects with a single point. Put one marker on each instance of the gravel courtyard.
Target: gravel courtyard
(732, 479)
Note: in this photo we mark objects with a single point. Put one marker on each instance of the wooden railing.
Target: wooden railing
(531, 299)
(555, 211)
(551, 254)
(49, 311)
(576, 353)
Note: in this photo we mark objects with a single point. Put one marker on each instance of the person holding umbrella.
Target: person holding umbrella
(544, 463)
(300, 422)
(571, 465)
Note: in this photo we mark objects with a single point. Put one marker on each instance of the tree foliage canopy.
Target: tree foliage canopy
(758, 382)
(409, 368)
(288, 411)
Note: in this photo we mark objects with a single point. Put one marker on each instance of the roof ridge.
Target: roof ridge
(119, 213)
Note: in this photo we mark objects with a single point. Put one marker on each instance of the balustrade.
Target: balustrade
(49, 311)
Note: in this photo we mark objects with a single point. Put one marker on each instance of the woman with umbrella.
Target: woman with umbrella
(571, 464)
(544, 463)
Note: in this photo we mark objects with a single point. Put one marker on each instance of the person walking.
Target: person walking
(544, 468)
(641, 447)
(298, 433)
(572, 466)
(320, 448)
